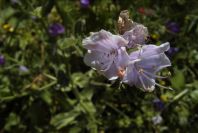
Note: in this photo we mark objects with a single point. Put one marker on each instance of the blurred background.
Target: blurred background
(45, 87)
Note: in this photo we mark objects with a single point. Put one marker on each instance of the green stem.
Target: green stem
(26, 94)
(115, 109)
(78, 96)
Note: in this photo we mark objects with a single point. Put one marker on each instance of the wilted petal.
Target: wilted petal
(136, 36)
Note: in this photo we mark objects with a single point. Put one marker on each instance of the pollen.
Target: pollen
(121, 73)
(141, 70)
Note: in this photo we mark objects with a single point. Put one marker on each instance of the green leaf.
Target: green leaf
(178, 80)
(12, 120)
(75, 130)
(87, 93)
(37, 12)
(194, 96)
(80, 79)
(64, 119)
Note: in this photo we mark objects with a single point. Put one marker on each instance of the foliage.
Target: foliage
(46, 87)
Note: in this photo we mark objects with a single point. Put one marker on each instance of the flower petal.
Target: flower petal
(149, 50)
(154, 63)
(111, 73)
(103, 41)
(122, 58)
(96, 60)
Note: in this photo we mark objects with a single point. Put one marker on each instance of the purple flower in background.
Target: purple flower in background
(173, 27)
(144, 64)
(84, 3)
(172, 51)
(106, 53)
(158, 104)
(136, 36)
(56, 29)
(23, 68)
(14, 1)
(2, 60)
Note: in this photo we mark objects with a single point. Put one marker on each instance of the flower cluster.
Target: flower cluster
(107, 53)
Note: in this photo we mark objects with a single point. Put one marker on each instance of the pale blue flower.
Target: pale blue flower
(144, 64)
(157, 119)
(23, 68)
(106, 53)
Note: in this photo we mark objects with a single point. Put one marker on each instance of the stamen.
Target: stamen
(121, 73)
(145, 89)
(156, 83)
(141, 70)
(153, 75)
(134, 61)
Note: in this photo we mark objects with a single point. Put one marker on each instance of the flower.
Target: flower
(146, 11)
(2, 60)
(158, 104)
(137, 35)
(144, 64)
(14, 1)
(141, 10)
(84, 3)
(56, 29)
(23, 68)
(172, 51)
(106, 53)
(173, 27)
(157, 119)
(8, 27)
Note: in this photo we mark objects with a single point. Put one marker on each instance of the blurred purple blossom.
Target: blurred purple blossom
(136, 36)
(106, 53)
(84, 3)
(172, 51)
(56, 29)
(14, 1)
(144, 64)
(23, 68)
(158, 104)
(2, 60)
(173, 27)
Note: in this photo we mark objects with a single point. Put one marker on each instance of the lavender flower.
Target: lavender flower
(144, 64)
(157, 119)
(158, 104)
(23, 68)
(84, 3)
(56, 29)
(2, 60)
(173, 27)
(14, 1)
(172, 51)
(106, 53)
(136, 36)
